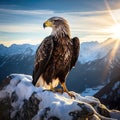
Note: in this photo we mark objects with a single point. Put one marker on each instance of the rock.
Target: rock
(110, 94)
(20, 100)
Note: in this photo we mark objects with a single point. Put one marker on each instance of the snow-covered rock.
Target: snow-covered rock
(20, 100)
(91, 91)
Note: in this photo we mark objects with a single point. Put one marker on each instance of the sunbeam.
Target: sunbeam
(115, 31)
(115, 34)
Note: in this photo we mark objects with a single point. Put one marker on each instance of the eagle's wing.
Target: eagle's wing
(76, 49)
(43, 55)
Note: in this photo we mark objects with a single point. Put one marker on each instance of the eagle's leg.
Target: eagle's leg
(54, 89)
(60, 90)
(66, 90)
(51, 88)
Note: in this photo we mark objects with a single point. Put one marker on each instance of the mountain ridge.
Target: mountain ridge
(110, 94)
(19, 99)
(98, 68)
(89, 51)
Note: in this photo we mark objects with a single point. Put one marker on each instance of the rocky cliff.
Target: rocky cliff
(20, 100)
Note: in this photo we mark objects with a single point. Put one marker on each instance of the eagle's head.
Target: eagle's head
(59, 25)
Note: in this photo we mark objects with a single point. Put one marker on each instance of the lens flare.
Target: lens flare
(114, 30)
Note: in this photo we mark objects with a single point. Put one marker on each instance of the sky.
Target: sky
(21, 21)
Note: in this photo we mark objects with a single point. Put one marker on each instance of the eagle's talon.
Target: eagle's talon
(71, 95)
(59, 90)
(54, 90)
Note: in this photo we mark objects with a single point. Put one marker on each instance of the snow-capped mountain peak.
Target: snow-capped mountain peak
(15, 49)
(91, 51)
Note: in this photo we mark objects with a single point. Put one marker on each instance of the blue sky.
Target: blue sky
(21, 21)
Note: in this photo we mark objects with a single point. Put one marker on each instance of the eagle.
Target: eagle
(55, 56)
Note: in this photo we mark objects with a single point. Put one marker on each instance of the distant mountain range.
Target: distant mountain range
(96, 64)
(14, 49)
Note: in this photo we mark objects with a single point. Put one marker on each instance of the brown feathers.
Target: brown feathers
(56, 55)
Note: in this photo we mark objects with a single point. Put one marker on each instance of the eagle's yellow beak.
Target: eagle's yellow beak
(47, 24)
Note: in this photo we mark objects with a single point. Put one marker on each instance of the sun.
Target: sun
(115, 31)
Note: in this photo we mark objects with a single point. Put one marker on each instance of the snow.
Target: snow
(51, 104)
(91, 91)
(18, 49)
(89, 51)
(117, 84)
(60, 104)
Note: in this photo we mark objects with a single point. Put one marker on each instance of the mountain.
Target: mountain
(16, 59)
(15, 49)
(104, 65)
(98, 63)
(20, 63)
(110, 94)
(91, 51)
(20, 100)
(92, 91)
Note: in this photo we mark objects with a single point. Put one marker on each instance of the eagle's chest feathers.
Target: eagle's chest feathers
(62, 52)
(60, 62)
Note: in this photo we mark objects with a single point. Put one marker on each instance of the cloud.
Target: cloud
(86, 25)
(99, 38)
(94, 24)
(20, 28)
(26, 12)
